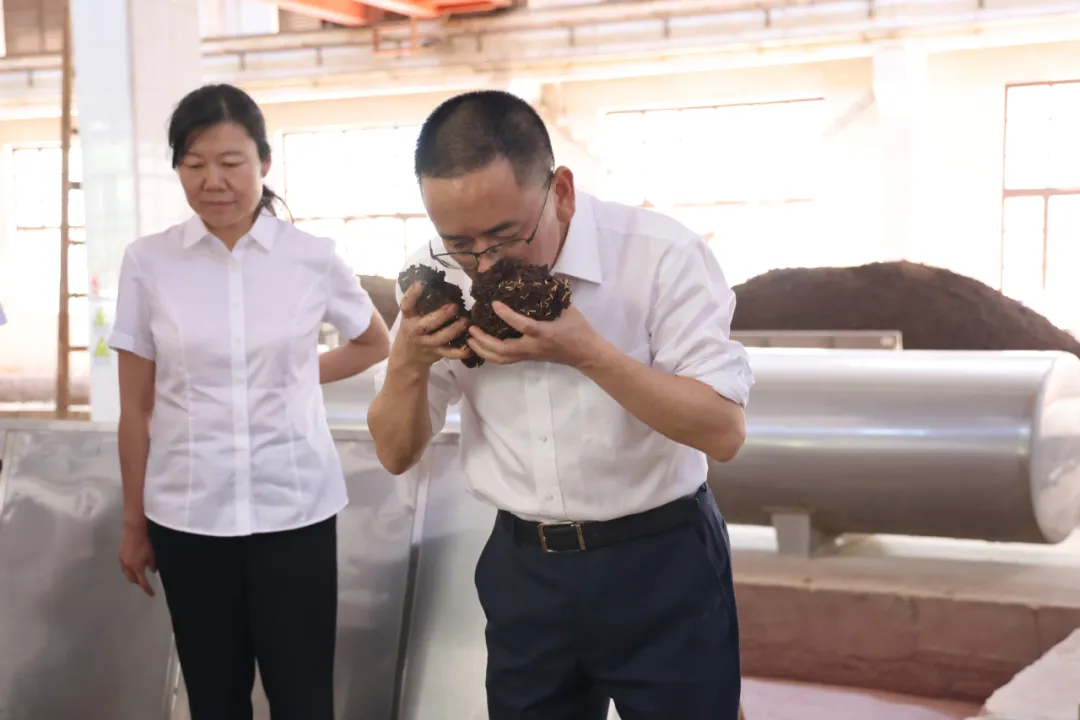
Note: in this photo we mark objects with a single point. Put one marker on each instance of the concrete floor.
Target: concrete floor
(778, 700)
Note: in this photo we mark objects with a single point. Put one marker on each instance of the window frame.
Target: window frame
(1046, 194)
(79, 308)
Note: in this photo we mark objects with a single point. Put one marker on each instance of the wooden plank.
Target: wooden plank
(63, 325)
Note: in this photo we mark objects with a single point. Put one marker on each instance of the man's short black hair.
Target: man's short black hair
(470, 131)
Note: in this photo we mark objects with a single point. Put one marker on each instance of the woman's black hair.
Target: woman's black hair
(213, 105)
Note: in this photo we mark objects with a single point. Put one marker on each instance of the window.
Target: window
(1040, 233)
(32, 27)
(743, 176)
(357, 187)
(36, 247)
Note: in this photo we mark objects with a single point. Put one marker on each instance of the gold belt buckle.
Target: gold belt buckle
(568, 523)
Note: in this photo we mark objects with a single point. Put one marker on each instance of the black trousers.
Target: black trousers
(268, 598)
(650, 624)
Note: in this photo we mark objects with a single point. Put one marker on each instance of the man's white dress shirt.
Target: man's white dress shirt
(239, 441)
(546, 443)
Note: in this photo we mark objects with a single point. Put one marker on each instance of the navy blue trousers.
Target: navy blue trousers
(649, 624)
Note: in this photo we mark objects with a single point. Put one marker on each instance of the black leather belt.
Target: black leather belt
(570, 536)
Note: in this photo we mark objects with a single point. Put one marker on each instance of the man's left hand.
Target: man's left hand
(567, 340)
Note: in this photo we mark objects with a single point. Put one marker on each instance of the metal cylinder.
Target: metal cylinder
(957, 444)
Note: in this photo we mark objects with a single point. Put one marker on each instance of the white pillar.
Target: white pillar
(899, 78)
(134, 60)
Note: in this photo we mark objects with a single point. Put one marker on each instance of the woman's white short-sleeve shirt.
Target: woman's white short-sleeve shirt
(239, 442)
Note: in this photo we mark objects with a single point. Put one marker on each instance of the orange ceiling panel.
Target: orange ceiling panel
(427, 9)
(342, 12)
(365, 12)
(468, 6)
(420, 9)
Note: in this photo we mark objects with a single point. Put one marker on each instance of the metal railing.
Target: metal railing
(826, 339)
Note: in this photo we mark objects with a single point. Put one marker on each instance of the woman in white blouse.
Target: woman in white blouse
(231, 480)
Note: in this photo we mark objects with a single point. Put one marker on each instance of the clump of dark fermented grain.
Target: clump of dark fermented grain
(529, 290)
(437, 292)
(933, 308)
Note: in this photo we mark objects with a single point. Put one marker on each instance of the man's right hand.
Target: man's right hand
(420, 343)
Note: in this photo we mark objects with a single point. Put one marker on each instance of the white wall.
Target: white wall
(227, 18)
(959, 216)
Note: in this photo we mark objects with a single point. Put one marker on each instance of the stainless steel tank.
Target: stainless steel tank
(960, 444)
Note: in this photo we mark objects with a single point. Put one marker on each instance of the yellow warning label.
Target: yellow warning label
(101, 349)
(99, 319)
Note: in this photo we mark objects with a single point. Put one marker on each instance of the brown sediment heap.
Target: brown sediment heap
(381, 291)
(933, 308)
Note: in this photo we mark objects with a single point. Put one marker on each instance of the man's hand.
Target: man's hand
(567, 340)
(420, 343)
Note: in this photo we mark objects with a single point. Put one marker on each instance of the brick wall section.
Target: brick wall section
(931, 628)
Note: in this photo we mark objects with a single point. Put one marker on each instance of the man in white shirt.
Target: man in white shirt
(607, 574)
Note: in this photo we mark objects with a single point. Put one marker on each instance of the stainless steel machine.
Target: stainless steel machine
(972, 445)
(982, 445)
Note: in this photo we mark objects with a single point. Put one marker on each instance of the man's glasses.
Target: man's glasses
(467, 260)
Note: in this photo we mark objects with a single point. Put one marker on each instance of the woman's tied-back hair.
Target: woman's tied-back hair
(213, 105)
(470, 131)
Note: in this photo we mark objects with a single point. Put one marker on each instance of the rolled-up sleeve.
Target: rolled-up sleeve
(443, 388)
(349, 307)
(690, 322)
(131, 330)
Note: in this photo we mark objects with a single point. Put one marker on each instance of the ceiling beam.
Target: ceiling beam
(357, 13)
(473, 6)
(457, 5)
(418, 9)
(342, 12)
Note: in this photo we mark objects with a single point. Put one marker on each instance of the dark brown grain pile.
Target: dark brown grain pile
(382, 295)
(529, 290)
(436, 293)
(933, 308)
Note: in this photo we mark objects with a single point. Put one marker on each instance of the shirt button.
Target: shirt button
(542, 438)
(549, 497)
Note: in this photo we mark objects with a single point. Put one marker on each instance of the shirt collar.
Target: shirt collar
(580, 256)
(264, 231)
